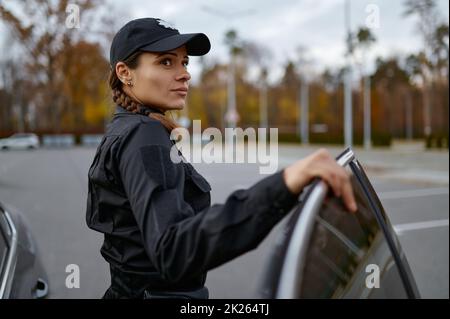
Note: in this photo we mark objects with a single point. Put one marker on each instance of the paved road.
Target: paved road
(49, 186)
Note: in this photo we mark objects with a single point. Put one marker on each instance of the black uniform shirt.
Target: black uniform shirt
(156, 214)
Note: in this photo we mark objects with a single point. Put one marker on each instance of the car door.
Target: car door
(8, 245)
(21, 141)
(327, 252)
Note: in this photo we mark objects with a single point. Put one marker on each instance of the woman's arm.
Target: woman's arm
(181, 242)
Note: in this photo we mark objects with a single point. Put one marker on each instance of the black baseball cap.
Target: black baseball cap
(154, 35)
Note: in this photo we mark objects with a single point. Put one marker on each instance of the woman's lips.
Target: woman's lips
(180, 92)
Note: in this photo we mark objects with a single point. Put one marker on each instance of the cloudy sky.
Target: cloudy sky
(282, 26)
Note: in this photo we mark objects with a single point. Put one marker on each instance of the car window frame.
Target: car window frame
(388, 231)
(6, 274)
(287, 279)
(5, 235)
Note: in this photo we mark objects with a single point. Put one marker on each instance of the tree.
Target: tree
(213, 81)
(51, 50)
(391, 81)
(260, 56)
(429, 25)
(440, 50)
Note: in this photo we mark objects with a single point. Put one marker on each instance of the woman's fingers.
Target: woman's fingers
(332, 180)
(321, 164)
(339, 181)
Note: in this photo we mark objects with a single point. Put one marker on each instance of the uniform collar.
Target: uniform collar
(120, 110)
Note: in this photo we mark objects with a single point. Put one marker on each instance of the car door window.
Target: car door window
(327, 252)
(348, 256)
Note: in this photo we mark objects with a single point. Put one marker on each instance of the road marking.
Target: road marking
(400, 229)
(413, 193)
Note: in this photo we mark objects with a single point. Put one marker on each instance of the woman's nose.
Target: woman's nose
(185, 75)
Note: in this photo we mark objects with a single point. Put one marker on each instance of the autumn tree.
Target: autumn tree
(62, 66)
(432, 62)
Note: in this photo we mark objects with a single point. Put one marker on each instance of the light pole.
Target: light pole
(367, 113)
(263, 117)
(409, 117)
(304, 65)
(304, 106)
(231, 115)
(365, 39)
(348, 121)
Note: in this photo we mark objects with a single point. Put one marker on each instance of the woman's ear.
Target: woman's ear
(123, 72)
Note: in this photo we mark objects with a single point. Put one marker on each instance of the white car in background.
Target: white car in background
(20, 141)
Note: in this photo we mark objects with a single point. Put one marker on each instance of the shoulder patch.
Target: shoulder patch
(159, 166)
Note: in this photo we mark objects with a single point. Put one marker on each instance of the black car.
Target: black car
(21, 272)
(327, 252)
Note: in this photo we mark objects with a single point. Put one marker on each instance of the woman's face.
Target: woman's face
(161, 79)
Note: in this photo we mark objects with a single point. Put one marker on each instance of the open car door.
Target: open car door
(327, 252)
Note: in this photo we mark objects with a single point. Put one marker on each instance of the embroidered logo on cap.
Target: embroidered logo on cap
(166, 24)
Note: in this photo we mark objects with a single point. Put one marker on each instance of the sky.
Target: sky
(284, 25)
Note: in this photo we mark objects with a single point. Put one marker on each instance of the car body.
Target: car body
(20, 141)
(327, 252)
(21, 272)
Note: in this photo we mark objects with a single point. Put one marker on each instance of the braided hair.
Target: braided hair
(122, 99)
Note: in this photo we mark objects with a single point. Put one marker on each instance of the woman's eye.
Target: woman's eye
(166, 62)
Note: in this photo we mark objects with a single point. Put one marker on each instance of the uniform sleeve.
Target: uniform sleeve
(179, 241)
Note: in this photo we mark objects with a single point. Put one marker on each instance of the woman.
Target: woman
(161, 235)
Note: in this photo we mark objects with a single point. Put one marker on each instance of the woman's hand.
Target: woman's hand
(320, 164)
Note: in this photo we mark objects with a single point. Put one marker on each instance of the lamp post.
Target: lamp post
(263, 116)
(231, 115)
(348, 121)
(304, 109)
(304, 69)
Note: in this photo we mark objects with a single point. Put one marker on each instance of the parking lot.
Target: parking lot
(50, 186)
